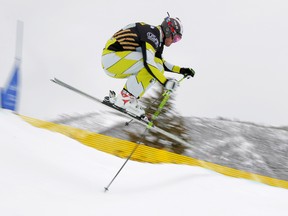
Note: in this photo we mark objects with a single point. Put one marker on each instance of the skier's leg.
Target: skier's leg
(129, 64)
(122, 64)
(139, 83)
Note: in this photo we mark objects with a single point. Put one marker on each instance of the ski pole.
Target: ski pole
(127, 159)
(166, 95)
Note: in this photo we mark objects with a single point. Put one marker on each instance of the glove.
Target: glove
(187, 72)
(171, 84)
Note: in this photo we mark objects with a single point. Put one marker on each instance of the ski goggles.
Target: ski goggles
(176, 38)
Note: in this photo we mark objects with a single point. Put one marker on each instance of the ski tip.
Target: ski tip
(55, 80)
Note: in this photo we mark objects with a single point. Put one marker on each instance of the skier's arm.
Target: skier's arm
(170, 67)
(176, 69)
(150, 64)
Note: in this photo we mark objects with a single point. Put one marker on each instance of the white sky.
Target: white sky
(46, 173)
(238, 48)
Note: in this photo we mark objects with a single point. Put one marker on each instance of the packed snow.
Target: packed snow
(45, 173)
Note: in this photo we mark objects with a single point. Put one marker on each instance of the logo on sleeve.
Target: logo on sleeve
(153, 38)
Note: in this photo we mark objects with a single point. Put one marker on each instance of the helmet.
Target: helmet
(172, 27)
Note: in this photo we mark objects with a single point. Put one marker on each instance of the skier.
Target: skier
(135, 53)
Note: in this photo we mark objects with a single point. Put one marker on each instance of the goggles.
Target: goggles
(176, 38)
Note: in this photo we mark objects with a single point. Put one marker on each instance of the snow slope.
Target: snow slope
(244, 146)
(45, 173)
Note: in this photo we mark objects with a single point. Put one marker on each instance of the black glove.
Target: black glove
(187, 72)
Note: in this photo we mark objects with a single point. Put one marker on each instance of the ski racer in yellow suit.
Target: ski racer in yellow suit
(135, 53)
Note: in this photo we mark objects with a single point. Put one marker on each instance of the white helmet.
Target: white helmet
(172, 27)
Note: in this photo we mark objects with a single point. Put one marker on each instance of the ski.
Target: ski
(104, 102)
